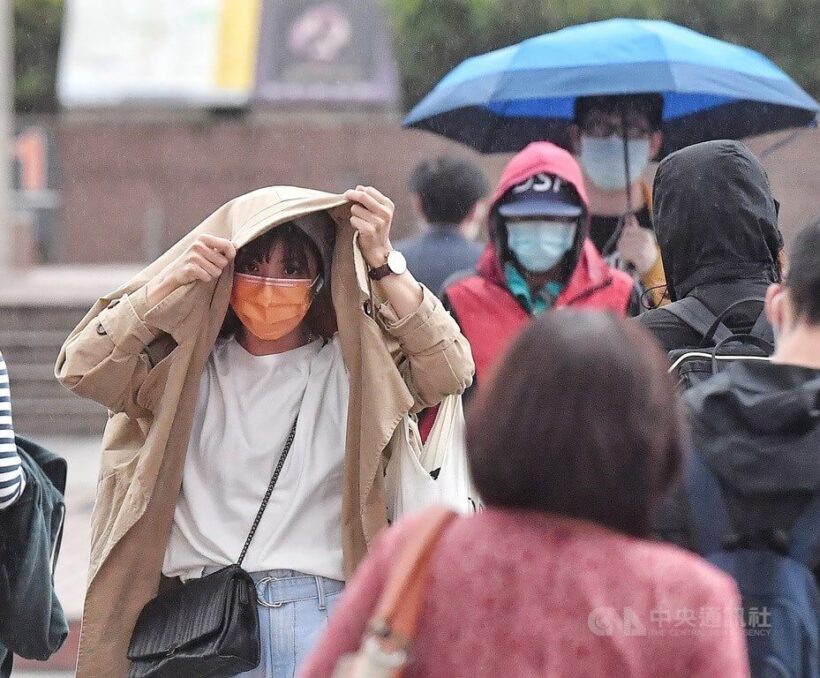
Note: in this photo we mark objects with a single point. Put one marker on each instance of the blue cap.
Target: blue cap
(542, 195)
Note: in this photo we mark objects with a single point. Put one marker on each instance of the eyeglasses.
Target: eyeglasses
(608, 126)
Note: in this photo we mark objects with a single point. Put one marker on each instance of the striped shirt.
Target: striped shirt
(12, 478)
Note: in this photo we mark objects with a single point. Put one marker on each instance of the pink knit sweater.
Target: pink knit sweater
(515, 594)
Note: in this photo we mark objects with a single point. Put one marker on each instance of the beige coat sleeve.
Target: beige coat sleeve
(434, 357)
(109, 359)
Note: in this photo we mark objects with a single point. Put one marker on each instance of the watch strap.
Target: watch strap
(381, 272)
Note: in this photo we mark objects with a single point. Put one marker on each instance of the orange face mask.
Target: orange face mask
(270, 308)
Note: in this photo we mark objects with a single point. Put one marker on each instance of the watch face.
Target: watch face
(396, 262)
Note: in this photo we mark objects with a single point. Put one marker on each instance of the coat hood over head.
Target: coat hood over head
(715, 217)
(757, 425)
(540, 157)
(249, 216)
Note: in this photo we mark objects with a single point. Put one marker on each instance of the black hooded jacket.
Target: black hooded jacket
(716, 224)
(756, 426)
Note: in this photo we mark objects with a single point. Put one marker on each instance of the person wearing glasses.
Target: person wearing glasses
(626, 239)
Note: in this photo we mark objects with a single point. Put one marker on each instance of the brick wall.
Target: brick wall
(131, 189)
(131, 186)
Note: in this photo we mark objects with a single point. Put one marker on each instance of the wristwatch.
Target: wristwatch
(396, 265)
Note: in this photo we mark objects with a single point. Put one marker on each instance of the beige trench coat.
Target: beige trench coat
(144, 365)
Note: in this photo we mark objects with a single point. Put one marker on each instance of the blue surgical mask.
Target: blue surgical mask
(602, 159)
(540, 244)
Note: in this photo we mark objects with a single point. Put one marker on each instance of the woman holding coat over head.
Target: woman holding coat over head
(278, 317)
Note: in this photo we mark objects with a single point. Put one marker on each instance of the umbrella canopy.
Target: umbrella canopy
(501, 101)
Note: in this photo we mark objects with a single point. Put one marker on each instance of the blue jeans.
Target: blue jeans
(293, 612)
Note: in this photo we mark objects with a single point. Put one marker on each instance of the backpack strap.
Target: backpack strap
(694, 313)
(762, 329)
(707, 507)
(805, 535)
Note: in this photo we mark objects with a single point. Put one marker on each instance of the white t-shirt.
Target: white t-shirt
(244, 413)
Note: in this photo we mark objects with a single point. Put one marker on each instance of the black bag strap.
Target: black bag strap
(694, 313)
(706, 505)
(749, 339)
(271, 485)
(804, 540)
(762, 329)
(711, 336)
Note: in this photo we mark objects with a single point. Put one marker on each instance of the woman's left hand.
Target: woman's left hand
(371, 216)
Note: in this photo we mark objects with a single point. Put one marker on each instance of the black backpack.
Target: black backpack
(719, 346)
(32, 622)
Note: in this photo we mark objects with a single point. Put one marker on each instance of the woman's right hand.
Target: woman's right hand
(204, 260)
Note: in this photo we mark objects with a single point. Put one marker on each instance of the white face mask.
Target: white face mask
(539, 244)
(602, 159)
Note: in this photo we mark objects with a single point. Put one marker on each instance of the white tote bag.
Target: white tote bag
(409, 485)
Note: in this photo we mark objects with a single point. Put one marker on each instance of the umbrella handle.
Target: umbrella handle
(613, 239)
(609, 247)
(627, 172)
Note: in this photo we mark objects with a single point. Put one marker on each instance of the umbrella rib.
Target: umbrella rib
(780, 143)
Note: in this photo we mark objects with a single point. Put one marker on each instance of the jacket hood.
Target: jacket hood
(715, 217)
(757, 425)
(540, 157)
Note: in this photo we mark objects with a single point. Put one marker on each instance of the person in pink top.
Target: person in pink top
(572, 443)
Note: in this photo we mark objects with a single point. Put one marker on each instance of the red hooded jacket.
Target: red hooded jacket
(488, 313)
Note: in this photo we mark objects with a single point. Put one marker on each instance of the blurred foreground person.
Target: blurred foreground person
(448, 194)
(753, 491)
(716, 223)
(571, 444)
(255, 388)
(539, 257)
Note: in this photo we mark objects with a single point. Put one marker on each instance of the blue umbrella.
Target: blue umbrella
(501, 101)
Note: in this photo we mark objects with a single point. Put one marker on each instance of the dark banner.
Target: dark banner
(326, 51)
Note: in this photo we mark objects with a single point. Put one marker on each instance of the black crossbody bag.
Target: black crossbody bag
(207, 626)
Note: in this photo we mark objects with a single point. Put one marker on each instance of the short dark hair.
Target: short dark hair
(649, 105)
(298, 249)
(579, 419)
(297, 246)
(803, 273)
(448, 188)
